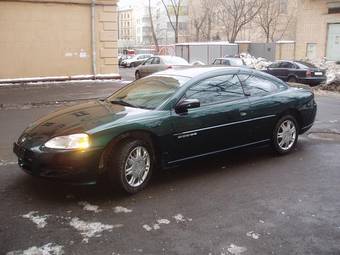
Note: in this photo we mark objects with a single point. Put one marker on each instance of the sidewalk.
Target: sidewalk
(54, 92)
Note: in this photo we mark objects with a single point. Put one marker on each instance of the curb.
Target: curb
(61, 79)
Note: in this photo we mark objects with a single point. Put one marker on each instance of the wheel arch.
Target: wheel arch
(295, 113)
(132, 134)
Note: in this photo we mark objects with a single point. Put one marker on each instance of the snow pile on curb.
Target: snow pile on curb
(333, 74)
(47, 249)
(257, 63)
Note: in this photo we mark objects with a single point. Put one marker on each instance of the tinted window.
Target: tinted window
(217, 62)
(149, 92)
(286, 65)
(274, 65)
(258, 86)
(216, 89)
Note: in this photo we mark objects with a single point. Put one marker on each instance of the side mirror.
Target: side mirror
(183, 106)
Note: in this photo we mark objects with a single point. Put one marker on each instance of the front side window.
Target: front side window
(258, 86)
(217, 89)
(148, 62)
(148, 93)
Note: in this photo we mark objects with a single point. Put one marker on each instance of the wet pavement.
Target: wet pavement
(242, 202)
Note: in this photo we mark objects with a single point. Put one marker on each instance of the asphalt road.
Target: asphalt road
(244, 202)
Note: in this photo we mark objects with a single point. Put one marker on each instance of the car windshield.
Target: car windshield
(148, 93)
(236, 61)
(175, 61)
(305, 64)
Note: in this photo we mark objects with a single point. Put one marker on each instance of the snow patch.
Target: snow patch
(156, 226)
(147, 228)
(163, 221)
(253, 235)
(91, 229)
(40, 221)
(47, 249)
(180, 218)
(236, 250)
(7, 163)
(121, 209)
(89, 207)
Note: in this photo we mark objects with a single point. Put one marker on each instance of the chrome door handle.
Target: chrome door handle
(243, 114)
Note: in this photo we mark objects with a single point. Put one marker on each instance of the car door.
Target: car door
(285, 69)
(273, 69)
(264, 105)
(145, 69)
(217, 124)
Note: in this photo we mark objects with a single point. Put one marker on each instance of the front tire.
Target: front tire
(131, 165)
(285, 135)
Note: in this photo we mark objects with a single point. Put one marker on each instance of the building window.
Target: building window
(334, 10)
(311, 51)
(283, 6)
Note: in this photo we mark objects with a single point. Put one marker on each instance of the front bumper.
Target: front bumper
(76, 166)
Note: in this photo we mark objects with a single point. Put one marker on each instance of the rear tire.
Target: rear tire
(285, 135)
(130, 165)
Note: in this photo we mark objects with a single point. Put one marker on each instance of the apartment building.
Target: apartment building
(126, 27)
(57, 38)
(318, 29)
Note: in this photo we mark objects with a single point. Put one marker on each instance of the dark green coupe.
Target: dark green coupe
(163, 120)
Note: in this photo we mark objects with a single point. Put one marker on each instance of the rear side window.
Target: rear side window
(274, 65)
(216, 89)
(156, 61)
(258, 86)
(286, 65)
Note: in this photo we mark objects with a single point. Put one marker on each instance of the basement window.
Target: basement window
(334, 10)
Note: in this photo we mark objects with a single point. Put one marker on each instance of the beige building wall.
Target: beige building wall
(53, 38)
(312, 26)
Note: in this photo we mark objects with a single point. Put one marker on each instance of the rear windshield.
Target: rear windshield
(174, 61)
(236, 61)
(302, 64)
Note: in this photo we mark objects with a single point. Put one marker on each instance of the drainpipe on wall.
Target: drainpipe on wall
(93, 39)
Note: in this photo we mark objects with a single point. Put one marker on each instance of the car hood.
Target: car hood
(78, 119)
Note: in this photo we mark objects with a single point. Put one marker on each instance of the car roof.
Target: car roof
(192, 71)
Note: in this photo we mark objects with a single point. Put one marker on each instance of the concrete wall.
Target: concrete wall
(312, 24)
(53, 38)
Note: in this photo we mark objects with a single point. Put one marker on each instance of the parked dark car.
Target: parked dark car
(229, 61)
(163, 120)
(159, 63)
(298, 72)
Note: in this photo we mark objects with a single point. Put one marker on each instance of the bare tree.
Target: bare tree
(199, 18)
(173, 9)
(271, 22)
(235, 14)
(154, 37)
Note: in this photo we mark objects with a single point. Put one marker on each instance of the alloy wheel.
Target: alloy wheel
(286, 135)
(137, 166)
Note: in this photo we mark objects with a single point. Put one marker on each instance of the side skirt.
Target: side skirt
(218, 151)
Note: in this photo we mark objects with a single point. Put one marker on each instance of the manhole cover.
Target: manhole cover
(325, 136)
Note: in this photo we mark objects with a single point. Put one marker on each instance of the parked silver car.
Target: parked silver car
(136, 60)
(157, 64)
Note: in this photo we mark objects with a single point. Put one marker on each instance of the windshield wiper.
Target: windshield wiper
(122, 102)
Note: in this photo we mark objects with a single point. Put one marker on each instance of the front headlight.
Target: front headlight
(76, 141)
